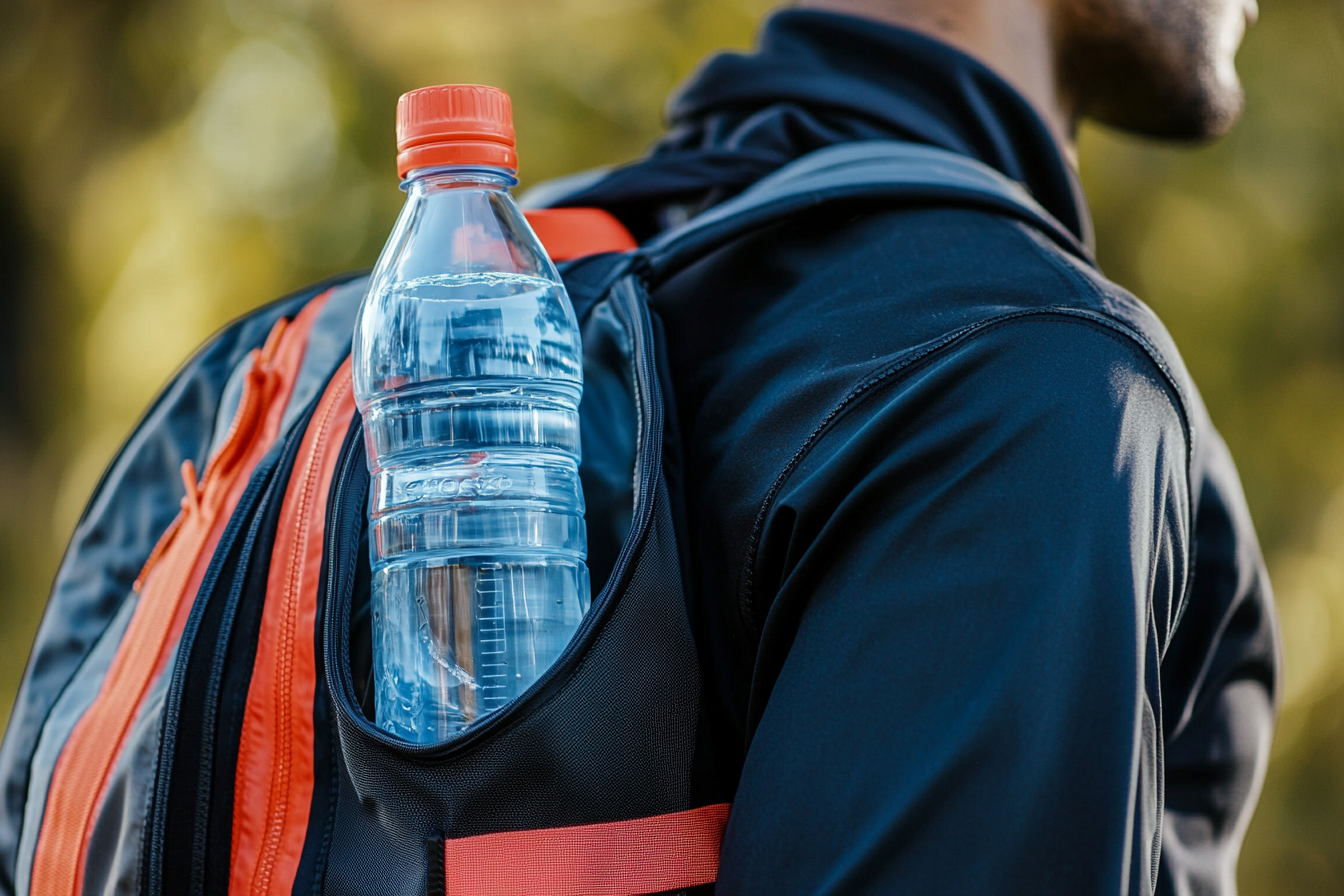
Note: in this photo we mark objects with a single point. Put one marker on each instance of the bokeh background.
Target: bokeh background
(166, 165)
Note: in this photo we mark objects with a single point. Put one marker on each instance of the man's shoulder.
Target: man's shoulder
(852, 287)
(934, 275)
(774, 336)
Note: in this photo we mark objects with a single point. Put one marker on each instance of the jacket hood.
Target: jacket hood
(817, 79)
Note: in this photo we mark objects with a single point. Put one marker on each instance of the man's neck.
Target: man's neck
(1012, 37)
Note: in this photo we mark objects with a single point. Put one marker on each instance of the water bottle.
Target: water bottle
(468, 372)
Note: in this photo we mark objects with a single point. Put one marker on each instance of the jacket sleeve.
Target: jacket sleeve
(1219, 685)
(970, 579)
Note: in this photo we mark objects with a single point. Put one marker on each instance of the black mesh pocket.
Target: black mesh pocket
(607, 734)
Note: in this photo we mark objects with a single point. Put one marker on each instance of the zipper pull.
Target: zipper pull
(191, 506)
(191, 501)
(266, 357)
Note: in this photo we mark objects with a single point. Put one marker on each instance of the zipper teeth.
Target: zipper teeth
(650, 459)
(322, 653)
(168, 742)
(221, 472)
(210, 716)
(225, 470)
(220, 656)
(336, 625)
(278, 802)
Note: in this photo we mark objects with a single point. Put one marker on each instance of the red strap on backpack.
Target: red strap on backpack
(569, 233)
(622, 858)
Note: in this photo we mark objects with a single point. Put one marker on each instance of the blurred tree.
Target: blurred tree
(168, 164)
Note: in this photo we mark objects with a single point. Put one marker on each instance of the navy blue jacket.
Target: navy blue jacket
(979, 600)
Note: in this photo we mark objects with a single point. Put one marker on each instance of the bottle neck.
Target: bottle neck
(457, 177)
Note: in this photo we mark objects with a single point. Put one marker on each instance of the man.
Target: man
(979, 600)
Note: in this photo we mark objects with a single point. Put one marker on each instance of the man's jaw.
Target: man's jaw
(1237, 19)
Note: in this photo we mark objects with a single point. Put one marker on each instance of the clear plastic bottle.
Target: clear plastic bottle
(468, 372)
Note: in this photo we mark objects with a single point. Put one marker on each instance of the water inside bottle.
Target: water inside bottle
(476, 508)
(482, 633)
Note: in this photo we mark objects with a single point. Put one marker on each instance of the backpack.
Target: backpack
(196, 717)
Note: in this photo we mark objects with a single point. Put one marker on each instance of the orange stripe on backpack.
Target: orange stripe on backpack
(166, 590)
(273, 789)
(569, 233)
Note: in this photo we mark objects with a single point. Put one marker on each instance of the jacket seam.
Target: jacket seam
(1088, 288)
(1119, 332)
(1084, 288)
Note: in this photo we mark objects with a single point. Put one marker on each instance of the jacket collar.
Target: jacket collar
(817, 79)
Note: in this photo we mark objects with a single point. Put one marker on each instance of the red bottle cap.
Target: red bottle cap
(455, 124)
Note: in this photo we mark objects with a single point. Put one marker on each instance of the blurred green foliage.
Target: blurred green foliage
(166, 165)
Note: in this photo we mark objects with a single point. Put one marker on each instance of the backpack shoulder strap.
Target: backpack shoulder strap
(878, 172)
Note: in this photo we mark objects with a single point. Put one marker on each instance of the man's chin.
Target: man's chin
(1202, 115)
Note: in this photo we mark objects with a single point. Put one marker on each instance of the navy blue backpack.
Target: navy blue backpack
(195, 717)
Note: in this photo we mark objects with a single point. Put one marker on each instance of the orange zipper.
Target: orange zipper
(166, 587)
(275, 772)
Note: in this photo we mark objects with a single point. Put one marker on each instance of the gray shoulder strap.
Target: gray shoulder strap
(552, 192)
(876, 172)
(871, 172)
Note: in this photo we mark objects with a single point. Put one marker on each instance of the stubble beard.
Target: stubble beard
(1159, 68)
